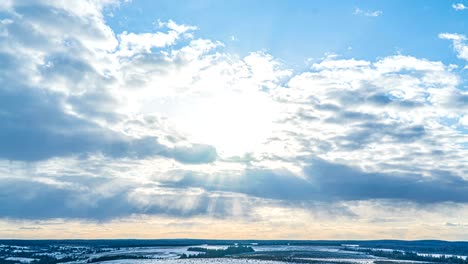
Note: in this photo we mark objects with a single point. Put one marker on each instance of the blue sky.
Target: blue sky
(240, 119)
(294, 32)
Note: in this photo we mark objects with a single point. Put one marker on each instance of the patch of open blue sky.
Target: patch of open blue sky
(294, 31)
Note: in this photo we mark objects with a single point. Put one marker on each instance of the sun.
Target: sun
(234, 123)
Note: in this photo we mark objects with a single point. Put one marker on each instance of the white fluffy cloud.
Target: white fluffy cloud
(131, 43)
(459, 6)
(459, 44)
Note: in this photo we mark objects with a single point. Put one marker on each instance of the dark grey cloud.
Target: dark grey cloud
(331, 182)
(68, 67)
(35, 127)
(196, 153)
(365, 127)
(61, 22)
(382, 100)
(104, 199)
(326, 185)
(379, 99)
(458, 101)
(364, 133)
(96, 103)
(270, 184)
(24, 199)
(340, 182)
(346, 117)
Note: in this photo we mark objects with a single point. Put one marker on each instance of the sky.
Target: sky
(234, 119)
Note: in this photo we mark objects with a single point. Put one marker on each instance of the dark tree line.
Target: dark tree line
(218, 253)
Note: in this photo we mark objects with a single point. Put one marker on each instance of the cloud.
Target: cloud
(459, 44)
(371, 99)
(459, 6)
(103, 199)
(98, 125)
(449, 224)
(56, 100)
(367, 13)
(131, 43)
(36, 128)
(343, 182)
(331, 182)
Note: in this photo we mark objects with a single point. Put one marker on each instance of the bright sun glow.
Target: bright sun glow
(233, 123)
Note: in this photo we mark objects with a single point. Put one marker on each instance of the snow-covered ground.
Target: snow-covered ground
(172, 254)
(191, 261)
(154, 252)
(441, 255)
(345, 260)
(21, 260)
(56, 255)
(300, 248)
(418, 253)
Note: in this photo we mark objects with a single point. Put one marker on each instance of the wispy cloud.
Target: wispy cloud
(459, 44)
(459, 6)
(368, 13)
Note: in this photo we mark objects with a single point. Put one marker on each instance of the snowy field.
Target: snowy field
(137, 252)
(192, 261)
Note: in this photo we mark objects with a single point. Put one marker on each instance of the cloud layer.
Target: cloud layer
(99, 125)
